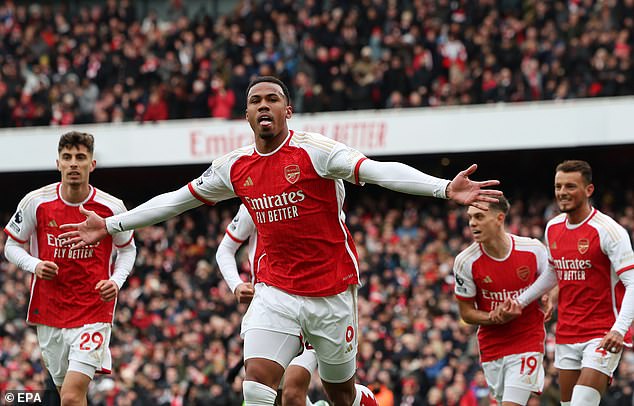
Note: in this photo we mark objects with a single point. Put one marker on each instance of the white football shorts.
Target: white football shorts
(586, 355)
(518, 371)
(328, 323)
(82, 349)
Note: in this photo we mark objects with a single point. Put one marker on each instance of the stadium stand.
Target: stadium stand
(83, 63)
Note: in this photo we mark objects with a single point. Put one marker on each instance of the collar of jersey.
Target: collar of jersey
(573, 226)
(90, 195)
(508, 254)
(286, 141)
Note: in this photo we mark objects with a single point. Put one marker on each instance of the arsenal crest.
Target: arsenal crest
(523, 272)
(583, 245)
(291, 173)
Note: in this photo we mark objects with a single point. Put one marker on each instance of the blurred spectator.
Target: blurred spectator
(221, 100)
(156, 109)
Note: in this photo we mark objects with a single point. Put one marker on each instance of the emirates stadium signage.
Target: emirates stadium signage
(386, 132)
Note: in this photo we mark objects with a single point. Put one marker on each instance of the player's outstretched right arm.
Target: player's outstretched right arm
(402, 178)
(155, 210)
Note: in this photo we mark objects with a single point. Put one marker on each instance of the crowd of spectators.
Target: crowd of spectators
(64, 64)
(176, 334)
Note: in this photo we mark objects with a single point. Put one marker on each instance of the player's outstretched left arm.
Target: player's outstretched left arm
(403, 178)
(471, 193)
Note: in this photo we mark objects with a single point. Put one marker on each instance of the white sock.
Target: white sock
(364, 397)
(308, 402)
(257, 394)
(585, 396)
(565, 403)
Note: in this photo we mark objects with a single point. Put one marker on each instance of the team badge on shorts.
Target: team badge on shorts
(523, 272)
(349, 334)
(291, 173)
(583, 245)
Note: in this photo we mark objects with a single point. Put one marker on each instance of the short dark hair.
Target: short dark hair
(270, 79)
(502, 205)
(75, 139)
(576, 166)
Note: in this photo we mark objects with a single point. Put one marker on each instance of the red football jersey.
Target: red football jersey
(588, 257)
(295, 197)
(489, 282)
(69, 300)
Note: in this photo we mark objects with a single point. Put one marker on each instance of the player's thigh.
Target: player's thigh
(296, 381)
(75, 385)
(271, 345)
(267, 353)
(598, 359)
(494, 375)
(567, 381)
(330, 325)
(568, 358)
(274, 310)
(89, 347)
(54, 352)
(340, 393)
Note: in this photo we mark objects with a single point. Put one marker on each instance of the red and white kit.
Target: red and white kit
(489, 282)
(295, 196)
(588, 259)
(68, 300)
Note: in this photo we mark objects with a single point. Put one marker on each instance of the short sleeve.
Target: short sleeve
(23, 222)
(214, 184)
(242, 226)
(615, 243)
(465, 288)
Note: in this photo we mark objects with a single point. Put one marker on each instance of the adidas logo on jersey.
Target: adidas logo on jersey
(487, 279)
(52, 223)
(248, 182)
